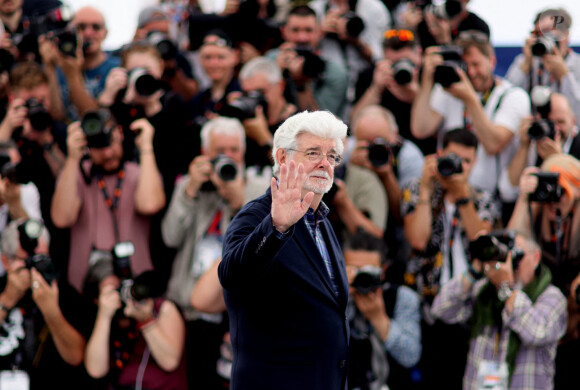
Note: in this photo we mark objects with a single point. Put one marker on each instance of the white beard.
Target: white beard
(318, 186)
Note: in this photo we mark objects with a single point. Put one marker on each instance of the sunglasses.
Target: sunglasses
(402, 35)
(94, 26)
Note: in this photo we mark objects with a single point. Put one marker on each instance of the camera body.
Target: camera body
(144, 83)
(403, 71)
(166, 47)
(495, 247)
(94, 125)
(543, 45)
(28, 234)
(144, 286)
(449, 165)
(542, 128)
(44, 265)
(38, 116)
(245, 106)
(379, 152)
(446, 10)
(367, 279)
(548, 189)
(313, 64)
(225, 167)
(446, 73)
(354, 24)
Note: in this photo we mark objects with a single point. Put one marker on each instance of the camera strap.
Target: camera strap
(454, 224)
(112, 203)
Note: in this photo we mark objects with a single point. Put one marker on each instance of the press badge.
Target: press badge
(14, 380)
(492, 375)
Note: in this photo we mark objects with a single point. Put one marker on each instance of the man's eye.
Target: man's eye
(312, 154)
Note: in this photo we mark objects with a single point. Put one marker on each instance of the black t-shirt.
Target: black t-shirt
(401, 110)
(27, 343)
(471, 22)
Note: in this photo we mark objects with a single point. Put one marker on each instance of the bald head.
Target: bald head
(561, 114)
(90, 24)
(375, 122)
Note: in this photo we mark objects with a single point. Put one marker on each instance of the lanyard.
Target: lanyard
(484, 99)
(454, 223)
(112, 203)
(214, 227)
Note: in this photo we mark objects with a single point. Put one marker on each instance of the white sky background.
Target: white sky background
(510, 20)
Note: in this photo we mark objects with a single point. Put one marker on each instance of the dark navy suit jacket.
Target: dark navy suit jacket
(288, 328)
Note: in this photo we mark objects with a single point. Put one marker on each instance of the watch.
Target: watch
(504, 291)
(462, 201)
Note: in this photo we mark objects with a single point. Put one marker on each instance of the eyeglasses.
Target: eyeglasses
(316, 155)
(95, 26)
(403, 35)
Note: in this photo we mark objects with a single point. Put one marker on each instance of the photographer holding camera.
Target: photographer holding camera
(203, 204)
(43, 320)
(385, 320)
(552, 132)
(312, 81)
(81, 70)
(490, 106)
(104, 199)
(138, 336)
(547, 59)
(441, 214)
(516, 318)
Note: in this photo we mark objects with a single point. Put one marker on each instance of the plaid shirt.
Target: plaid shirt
(539, 327)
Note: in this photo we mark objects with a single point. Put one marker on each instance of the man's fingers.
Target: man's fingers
(283, 179)
(292, 175)
(307, 201)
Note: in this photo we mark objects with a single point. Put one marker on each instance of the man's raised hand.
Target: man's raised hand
(287, 203)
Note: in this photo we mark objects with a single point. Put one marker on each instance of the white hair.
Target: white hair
(261, 65)
(322, 124)
(223, 126)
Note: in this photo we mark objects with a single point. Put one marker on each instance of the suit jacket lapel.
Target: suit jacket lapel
(306, 242)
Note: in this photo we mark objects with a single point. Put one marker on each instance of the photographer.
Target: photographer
(312, 82)
(40, 139)
(385, 320)
(547, 59)
(393, 82)
(82, 70)
(541, 138)
(262, 107)
(105, 199)
(203, 204)
(476, 99)
(516, 318)
(43, 320)
(137, 342)
(441, 214)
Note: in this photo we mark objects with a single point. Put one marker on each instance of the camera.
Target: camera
(543, 45)
(94, 125)
(143, 82)
(379, 152)
(225, 167)
(367, 279)
(542, 128)
(548, 189)
(446, 10)
(166, 47)
(10, 171)
(28, 233)
(449, 165)
(354, 24)
(403, 71)
(244, 107)
(446, 73)
(39, 118)
(122, 252)
(144, 286)
(496, 247)
(313, 64)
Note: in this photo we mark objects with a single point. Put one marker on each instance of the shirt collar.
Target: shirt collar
(320, 213)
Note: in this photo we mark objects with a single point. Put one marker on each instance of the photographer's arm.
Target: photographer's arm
(520, 219)
(49, 55)
(79, 96)
(165, 336)
(350, 215)
(66, 203)
(417, 223)
(149, 195)
(207, 295)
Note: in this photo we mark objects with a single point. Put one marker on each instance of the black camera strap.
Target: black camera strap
(454, 224)
(112, 203)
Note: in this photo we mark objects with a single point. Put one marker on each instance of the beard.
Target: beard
(316, 185)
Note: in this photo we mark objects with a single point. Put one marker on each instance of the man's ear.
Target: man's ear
(5, 262)
(281, 156)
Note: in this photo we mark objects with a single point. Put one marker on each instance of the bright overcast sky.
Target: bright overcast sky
(510, 20)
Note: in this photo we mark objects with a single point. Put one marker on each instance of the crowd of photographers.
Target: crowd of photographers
(456, 203)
